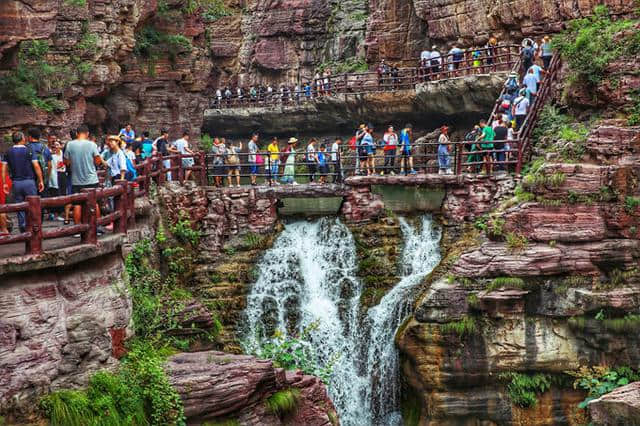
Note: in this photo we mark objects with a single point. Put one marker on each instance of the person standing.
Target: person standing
(436, 60)
(274, 159)
(233, 161)
(252, 148)
(42, 154)
(164, 148)
(486, 137)
(390, 144)
(501, 135)
(336, 160)
(370, 147)
(361, 151)
(528, 54)
(5, 188)
(128, 133)
(406, 160)
(81, 156)
(289, 158)
(147, 147)
(546, 52)
(531, 81)
(219, 151)
(520, 108)
(323, 168)
(182, 146)
(312, 160)
(25, 171)
(58, 180)
(444, 160)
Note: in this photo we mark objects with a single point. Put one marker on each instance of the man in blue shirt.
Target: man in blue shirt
(128, 133)
(41, 154)
(406, 160)
(23, 169)
(531, 81)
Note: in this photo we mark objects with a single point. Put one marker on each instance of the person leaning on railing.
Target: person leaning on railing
(274, 160)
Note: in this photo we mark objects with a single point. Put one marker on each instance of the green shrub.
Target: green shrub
(210, 10)
(138, 394)
(292, 353)
(524, 389)
(589, 45)
(495, 226)
(599, 380)
(349, 65)
(516, 242)
(184, 232)
(206, 143)
(152, 44)
(523, 196)
(631, 204)
(284, 402)
(506, 282)
(464, 327)
(76, 3)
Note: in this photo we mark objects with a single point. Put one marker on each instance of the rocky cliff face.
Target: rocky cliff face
(167, 82)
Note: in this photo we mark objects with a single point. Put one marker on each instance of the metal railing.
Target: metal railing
(121, 196)
(491, 59)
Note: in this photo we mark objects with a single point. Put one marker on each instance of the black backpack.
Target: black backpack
(527, 53)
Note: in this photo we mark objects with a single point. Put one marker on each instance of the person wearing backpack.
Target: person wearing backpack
(520, 108)
(528, 54)
(24, 169)
(41, 153)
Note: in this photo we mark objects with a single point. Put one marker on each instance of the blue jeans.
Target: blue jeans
(443, 158)
(274, 168)
(21, 189)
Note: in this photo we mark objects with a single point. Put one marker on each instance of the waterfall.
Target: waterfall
(309, 277)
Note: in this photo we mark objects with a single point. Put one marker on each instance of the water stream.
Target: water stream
(309, 277)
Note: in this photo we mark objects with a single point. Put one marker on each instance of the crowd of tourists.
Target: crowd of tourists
(50, 167)
(431, 65)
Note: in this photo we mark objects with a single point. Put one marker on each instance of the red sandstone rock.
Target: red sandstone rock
(619, 407)
(215, 385)
(495, 259)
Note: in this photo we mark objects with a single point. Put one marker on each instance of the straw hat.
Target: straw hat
(292, 141)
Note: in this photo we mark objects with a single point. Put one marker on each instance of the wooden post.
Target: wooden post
(459, 148)
(162, 175)
(131, 205)
(121, 205)
(34, 225)
(180, 169)
(89, 217)
(203, 170)
(147, 176)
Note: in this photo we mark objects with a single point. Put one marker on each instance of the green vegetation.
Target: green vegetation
(158, 298)
(516, 242)
(253, 241)
(590, 44)
(284, 402)
(411, 407)
(560, 133)
(472, 300)
(152, 44)
(506, 282)
(137, 394)
(631, 204)
(206, 143)
(630, 323)
(76, 3)
(464, 327)
(292, 353)
(349, 65)
(229, 422)
(34, 75)
(524, 389)
(599, 380)
(634, 110)
(210, 10)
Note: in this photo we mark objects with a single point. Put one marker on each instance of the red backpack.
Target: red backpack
(352, 143)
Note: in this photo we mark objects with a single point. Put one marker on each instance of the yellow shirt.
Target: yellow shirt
(274, 150)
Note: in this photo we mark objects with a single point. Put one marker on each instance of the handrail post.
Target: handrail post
(203, 170)
(89, 217)
(34, 225)
(458, 147)
(131, 205)
(180, 169)
(121, 204)
(269, 169)
(162, 176)
(147, 177)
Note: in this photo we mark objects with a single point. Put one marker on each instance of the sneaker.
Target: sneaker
(392, 173)
(413, 172)
(60, 219)
(294, 183)
(76, 235)
(381, 173)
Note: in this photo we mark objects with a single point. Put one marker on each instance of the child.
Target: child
(323, 169)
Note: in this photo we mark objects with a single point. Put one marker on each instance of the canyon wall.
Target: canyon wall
(126, 69)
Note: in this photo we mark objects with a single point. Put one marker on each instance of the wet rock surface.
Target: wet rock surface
(220, 386)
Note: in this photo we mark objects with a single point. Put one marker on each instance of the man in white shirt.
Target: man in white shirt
(436, 60)
(182, 145)
(531, 81)
(520, 108)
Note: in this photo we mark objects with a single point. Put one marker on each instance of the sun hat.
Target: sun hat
(292, 141)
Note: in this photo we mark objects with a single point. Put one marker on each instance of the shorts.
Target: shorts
(406, 152)
(370, 150)
(253, 168)
(77, 189)
(187, 162)
(219, 169)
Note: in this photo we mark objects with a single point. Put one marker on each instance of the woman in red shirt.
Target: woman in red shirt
(5, 189)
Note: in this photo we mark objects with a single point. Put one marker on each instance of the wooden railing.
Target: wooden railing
(493, 59)
(121, 195)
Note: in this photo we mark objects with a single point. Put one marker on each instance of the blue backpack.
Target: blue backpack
(131, 174)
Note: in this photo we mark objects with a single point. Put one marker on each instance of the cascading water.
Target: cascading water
(308, 277)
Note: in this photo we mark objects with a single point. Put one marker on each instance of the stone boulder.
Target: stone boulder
(220, 386)
(620, 407)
